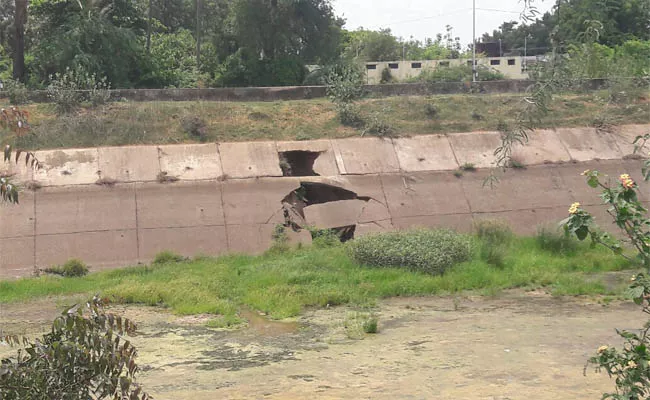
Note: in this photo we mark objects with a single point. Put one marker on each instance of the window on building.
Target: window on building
(495, 62)
(444, 63)
(371, 66)
(511, 61)
(393, 65)
(416, 65)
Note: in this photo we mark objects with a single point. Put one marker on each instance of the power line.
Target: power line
(497, 10)
(431, 17)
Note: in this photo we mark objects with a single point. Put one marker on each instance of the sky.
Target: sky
(426, 18)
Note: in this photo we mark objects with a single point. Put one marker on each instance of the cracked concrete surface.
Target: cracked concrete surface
(229, 197)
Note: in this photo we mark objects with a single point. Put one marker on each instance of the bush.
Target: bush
(168, 257)
(555, 241)
(71, 268)
(195, 127)
(430, 110)
(17, 92)
(85, 355)
(350, 115)
(461, 73)
(377, 125)
(428, 251)
(322, 238)
(495, 238)
(66, 90)
(386, 76)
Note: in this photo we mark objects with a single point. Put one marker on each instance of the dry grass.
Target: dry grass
(160, 122)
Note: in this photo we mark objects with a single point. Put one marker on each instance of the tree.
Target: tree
(101, 36)
(20, 19)
(516, 38)
(621, 20)
(366, 45)
(85, 356)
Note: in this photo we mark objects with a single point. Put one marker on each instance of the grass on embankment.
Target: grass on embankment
(283, 284)
(162, 122)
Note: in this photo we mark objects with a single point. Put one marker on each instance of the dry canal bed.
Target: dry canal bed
(515, 346)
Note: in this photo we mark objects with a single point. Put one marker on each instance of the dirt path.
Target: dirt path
(518, 346)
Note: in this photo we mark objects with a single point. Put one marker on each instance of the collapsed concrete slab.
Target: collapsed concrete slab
(322, 164)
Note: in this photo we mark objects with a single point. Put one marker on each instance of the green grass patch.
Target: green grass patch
(199, 121)
(283, 284)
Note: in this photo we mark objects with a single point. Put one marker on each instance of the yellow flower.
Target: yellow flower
(601, 349)
(574, 208)
(631, 364)
(587, 171)
(633, 278)
(626, 181)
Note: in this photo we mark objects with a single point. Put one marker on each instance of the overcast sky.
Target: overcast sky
(425, 18)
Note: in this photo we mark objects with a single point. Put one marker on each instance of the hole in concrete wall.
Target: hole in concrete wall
(298, 162)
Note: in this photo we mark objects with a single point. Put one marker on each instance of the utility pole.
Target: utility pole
(473, 40)
(500, 49)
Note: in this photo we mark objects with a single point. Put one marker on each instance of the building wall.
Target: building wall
(511, 67)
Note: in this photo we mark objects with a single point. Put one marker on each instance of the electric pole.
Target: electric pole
(473, 40)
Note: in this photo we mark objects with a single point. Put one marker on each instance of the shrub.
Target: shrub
(85, 355)
(495, 238)
(280, 240)
(461, 73)
(386, 76)
(324, 237)
(168, 257)
(428, 251)
(555, 241)
(349, 115)
(70, 269)
(67, 90)
(371, 325)
(378, 125)
(430, 110)
(17, 92)
(195, 127)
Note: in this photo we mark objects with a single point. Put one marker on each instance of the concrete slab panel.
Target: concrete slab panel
(535, 187)
(129, 163)
(365, 156)
(17, 220)
(68, 167)
(249, 160)
(585, 144)
(18, 171)
(625, 136)
(256, 201)
(527, 222)
(334, 214)
(100, 250)
(611, 169)
(475, 148)
(325, 164)
(457, 222)
(180, 204)
(249, 239)
(16, 257)
(425, 153)
(85, 208)
(543, 147)
(424, 193)
(373, 227)
(190, 242)
(367, 186)
(191, 161)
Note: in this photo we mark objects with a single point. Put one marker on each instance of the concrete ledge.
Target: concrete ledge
(191, 162)
(68, 167)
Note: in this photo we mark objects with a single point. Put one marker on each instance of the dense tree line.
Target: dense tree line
(190, 43)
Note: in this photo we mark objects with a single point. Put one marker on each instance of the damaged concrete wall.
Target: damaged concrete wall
(113, 207)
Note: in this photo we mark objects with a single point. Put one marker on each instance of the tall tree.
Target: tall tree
(20, 19)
